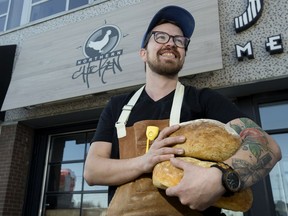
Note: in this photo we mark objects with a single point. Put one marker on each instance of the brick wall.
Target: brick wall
(15, 149)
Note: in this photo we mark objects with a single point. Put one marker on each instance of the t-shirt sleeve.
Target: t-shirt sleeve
(216, 106)
(105, 127)
(106, 130)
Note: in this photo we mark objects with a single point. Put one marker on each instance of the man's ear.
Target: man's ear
(143, 53)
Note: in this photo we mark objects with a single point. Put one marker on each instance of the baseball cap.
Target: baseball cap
(180, 16)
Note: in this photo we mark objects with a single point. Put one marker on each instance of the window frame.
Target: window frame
(6, 15)
(48, 163)
(27, 8)
(37, 162)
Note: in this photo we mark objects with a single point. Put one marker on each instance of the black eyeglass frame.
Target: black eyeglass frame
(174, 37)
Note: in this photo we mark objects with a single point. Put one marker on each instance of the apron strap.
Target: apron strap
(126, 110)
(177, 104)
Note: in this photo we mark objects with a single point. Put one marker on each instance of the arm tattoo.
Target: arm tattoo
(256, 142)
(250, 171)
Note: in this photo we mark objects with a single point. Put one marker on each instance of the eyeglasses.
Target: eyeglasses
(163, 37)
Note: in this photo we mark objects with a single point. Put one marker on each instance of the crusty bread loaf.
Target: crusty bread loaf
(166, 175)
(208, 139)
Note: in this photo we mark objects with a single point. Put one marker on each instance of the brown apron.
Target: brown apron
(140, 197)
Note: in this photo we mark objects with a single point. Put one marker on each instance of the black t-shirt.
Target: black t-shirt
(197, 103)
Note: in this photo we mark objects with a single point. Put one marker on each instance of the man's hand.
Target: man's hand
(199, 188)
(161, 149)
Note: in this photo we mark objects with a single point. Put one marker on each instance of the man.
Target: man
(163, 51)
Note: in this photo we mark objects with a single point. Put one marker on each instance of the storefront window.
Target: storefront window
(66, 192)
(10, 14)
(274, 120)
(14, 13)
(274, 115)
(47, 8)
(4, 6)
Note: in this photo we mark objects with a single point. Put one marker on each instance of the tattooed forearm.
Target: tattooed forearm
(244, 123)
(252, 172)
(254, 138)
(257, 154)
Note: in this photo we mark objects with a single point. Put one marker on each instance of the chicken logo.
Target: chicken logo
(101, 58)
(99, 45)
(102, 41)
(250, 16)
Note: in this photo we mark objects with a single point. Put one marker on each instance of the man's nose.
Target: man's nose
(171, 42)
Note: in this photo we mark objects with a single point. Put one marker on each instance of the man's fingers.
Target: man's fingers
(169, 141)
(171, 191)
(167, 131)
(174, 151)
(178, 163)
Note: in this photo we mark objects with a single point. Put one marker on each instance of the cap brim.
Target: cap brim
(180, 16)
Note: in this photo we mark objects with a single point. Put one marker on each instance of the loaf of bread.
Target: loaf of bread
(206, 141)
(166, 175)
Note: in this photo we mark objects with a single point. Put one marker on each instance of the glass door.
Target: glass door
(66, 193)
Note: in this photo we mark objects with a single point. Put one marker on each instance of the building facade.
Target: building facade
(61, 62)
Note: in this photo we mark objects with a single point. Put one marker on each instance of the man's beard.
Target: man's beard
(166, 68)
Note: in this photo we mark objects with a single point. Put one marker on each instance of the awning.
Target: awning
(7, 55)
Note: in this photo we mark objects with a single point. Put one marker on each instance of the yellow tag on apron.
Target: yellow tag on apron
(151, 134)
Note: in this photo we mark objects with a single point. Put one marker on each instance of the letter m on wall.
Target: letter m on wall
(247, 51)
